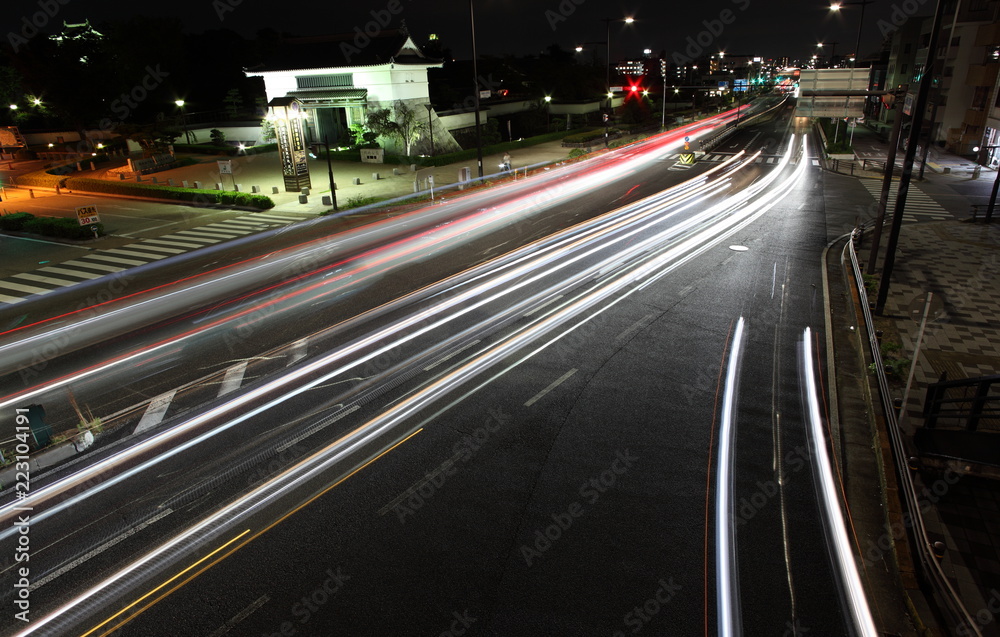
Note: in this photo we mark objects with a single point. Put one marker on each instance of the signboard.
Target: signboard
(87, 215)
(617, 89)
(287, 115)
(225, 166)
(484, 95)
(723, 85)
(908, 104)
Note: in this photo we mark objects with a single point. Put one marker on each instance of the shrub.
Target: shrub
(361, 200)
(577, 152)
(60, 227)
(14, 222)
(584, 137)
(198, 196)
(39, 179)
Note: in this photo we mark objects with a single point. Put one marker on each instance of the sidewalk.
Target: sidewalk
(872, 149)
(959, 262)
(264, 171)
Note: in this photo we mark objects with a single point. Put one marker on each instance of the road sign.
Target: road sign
(225, 166)
(87, 215)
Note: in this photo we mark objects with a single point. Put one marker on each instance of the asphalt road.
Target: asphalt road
(569, 495)
(578, 507)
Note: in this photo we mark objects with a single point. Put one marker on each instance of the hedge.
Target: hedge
(39, 179)
(48, 226)
(584, 137)
(198, 196)
(227, 150)
(14, 222)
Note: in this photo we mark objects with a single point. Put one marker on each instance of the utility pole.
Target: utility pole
(890, 167)
(919, 106)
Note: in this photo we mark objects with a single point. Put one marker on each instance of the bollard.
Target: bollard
(395, 172)
(274, 190)
(357, 181)
(79, 168)
(138, 176)
(121, 176)
(155, 180)
(238, 187)
(375, 177)
(255, 189)
(185, 184)
(303, 198)
(413, 168)
(218, 185)
(93, 166)
(305, 191)
(58, 192)
(170, 181)
(327, 200)
(31, 193)
(197, 185)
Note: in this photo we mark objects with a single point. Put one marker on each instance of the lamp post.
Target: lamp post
(329, 168)
(548, 114)
(607, 25)
(996, 186)
(475, 86)
(180, 105)
(836, 6)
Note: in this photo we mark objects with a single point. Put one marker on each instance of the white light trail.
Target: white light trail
(837, 535)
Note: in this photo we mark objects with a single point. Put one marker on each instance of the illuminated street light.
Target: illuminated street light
(836, 6)
(607, 25)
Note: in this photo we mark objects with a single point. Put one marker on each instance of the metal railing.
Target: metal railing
(966, 400)
(928, 564)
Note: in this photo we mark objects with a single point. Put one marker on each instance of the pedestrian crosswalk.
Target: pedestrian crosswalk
(919, 206)
(769, 160)
(18, 287)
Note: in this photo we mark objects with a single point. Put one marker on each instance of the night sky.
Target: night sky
(769, 28)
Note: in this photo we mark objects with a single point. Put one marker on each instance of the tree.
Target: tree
(234, 103)
(401, 123)
(218, 137)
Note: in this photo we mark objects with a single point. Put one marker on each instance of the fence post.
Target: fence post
(982, 393)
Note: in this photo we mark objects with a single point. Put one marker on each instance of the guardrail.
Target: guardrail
(950, 399)
(928, 563)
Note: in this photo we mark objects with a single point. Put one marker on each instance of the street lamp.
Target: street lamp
(329, 166)
(996, 186)
(607, 25)
(548, 114)
(836, 6)
(187, 135)
(475, 86)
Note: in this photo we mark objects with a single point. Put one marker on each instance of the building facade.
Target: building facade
(338, 78)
